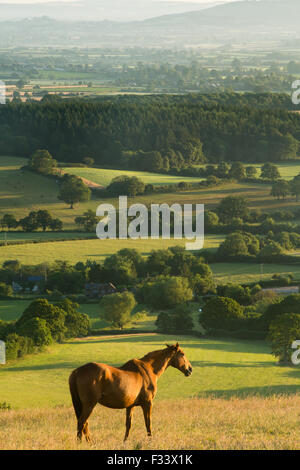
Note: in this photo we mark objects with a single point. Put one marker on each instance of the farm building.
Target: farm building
(94, 290)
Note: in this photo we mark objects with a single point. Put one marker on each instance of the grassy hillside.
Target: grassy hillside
(22, 191)
(81, 250)
(222, 368)
(104, 177)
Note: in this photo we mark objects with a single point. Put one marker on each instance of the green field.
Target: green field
(22, 191)
(82, 250)
(11, 310)
(221, 368)
(287, 170)
(103, 177)
(15, 237)
(250, 272)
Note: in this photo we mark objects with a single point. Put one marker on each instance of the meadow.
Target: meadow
(95, 249)
(22, 192)
(237, 398)
(103, 177)
(253, 423)
(222, 368)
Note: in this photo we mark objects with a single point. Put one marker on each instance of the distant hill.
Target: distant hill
(241, 21)
(98, 10)
(249, 13)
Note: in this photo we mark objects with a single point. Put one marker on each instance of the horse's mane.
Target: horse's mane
(152, 354)
(131, 366)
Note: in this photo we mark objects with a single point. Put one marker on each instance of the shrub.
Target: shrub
(117, 308)
(18, 346)
(179, 319)
(77, 324)
(5, 290)
(166, 293)
(38, 330)
(54, 316)
(221, 312)
(284, 329)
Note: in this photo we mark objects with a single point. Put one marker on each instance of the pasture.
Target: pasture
(23, 191)
(222, 368)
(95, 250)
(254, 423)
(103, 177)
(236, 398)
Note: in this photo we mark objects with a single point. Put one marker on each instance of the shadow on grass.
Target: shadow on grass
(159, 340)
(46, 366)
(261, 392)
(229, 365)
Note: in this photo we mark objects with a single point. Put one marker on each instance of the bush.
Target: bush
(166, 293)
(38, 330)
(221, 312)
(18, 346)
(179, 320)
(54, 316)
(117, 308)
(284, 329)
(77, 324)
(5, 290)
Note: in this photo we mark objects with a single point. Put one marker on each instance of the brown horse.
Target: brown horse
(133, 384)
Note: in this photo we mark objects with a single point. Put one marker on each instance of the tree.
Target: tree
(179, 319)
(30, 223)
(5, 290)
(77, 324)
(68, 282)
(251, 172)
(120, 269)
(88, 161)
(239, 244)
(284, 330)
(295, 187)
(56, 224)
(9, 221)
(222, 170)
(221, 312)
(166, 293)
(237, 171)
(289, 304)
(232, 206)
(280, 189)
(42, 162)
(44, 219)
(87, 221)
(54, 317)
(270, 249)
(117, 308)
(73, 190)
(270, 171)
(211, 219)
(126, 186)
(38, 330)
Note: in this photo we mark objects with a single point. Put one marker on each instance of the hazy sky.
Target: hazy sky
(46, 1)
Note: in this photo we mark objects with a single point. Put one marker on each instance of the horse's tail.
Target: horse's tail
(74, 394)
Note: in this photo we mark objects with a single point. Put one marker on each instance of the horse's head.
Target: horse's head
(180, 361)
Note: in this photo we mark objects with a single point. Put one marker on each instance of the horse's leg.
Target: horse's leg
(82, 425)
(129, 413)
(147, 409)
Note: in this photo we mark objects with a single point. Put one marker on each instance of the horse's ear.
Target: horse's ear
(177, 346)
(168, 346)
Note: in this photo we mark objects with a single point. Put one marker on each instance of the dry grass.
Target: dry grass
(204, 423)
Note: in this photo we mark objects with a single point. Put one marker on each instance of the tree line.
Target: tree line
(134, 133)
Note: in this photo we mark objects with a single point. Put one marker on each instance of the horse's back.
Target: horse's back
(110, 386)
